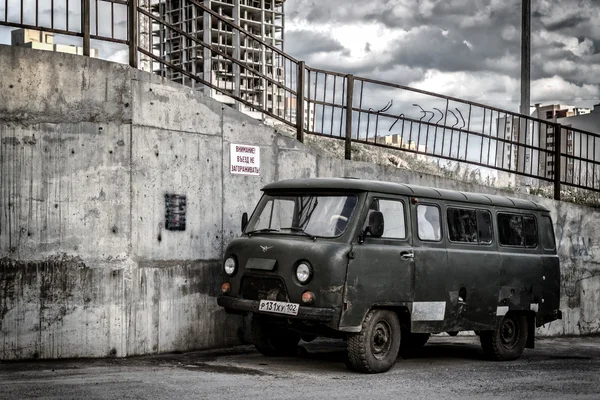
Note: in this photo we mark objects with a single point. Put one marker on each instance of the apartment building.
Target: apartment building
(514, 157)
(40, 40)
(398, 141)
(262, 18)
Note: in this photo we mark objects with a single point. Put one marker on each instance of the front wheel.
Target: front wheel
(375, 348)
(508, 341)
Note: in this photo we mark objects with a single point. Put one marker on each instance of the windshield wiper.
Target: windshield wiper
(264, 230)
(302, 231)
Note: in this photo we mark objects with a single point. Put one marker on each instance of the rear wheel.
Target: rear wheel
(508, 341)
(375, 348)
(270, 341)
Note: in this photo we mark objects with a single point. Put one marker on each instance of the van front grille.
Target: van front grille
(263, 288)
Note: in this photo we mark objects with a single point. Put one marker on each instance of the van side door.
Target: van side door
(472, 268)
(430, 299)
(380, 269)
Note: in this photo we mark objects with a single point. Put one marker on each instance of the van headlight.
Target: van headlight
(303, 272)
(230, 266)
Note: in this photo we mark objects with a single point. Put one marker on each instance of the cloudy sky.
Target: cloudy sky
(464, 48)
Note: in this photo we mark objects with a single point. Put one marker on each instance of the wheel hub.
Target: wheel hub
(381, 340)
(509, 334)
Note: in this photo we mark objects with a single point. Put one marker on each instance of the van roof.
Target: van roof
(354, 184)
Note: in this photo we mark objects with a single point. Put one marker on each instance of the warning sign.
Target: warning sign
(245, 159)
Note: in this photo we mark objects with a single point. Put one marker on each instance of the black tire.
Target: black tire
(376, 347)
(508, 341)
(412, 342)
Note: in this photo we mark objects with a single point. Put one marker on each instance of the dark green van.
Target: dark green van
(384, 265)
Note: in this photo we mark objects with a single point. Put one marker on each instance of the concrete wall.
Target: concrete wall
(88, 149)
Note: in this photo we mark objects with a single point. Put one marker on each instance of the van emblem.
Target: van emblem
(265, 248)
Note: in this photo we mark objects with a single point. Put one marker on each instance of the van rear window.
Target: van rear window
(548, 241)
(517, 230)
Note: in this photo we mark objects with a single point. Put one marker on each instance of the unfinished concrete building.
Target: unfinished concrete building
(261, 18)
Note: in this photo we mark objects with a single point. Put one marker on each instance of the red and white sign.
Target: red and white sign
(245, 159)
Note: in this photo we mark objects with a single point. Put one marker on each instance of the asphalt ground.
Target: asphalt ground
(446, 368)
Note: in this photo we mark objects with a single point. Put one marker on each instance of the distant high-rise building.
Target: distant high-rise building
(40, 40)
(514, 157)
(262, 18)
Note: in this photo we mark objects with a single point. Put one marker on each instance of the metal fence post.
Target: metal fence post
(133, 33)
(300, 102)
(557, 160)
(85, 26)
(349, 97)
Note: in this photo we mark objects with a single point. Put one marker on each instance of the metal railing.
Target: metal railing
(203, 47)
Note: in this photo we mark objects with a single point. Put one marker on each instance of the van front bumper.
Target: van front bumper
(234, 304)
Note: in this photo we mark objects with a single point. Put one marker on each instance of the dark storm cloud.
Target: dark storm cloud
(301, 43)
(565, 34)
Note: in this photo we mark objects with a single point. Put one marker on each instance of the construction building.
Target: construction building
(40, 40)
(262, 18)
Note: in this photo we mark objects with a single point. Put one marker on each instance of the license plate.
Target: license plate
(278, 307)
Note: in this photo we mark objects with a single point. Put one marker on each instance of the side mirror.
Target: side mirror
(244, 221)
(375, 224)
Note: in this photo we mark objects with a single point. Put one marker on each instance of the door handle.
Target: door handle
(407, 255)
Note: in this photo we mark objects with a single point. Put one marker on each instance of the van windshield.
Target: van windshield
(311, 215)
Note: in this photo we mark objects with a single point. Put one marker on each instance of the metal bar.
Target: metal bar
(51, 13)
(85, 26)
(580, 153)
(490, 136)
(21, 11)
(359, 106)
(66, 14)
(344, 83)
(107, 39)
(133, 33)
(324, 102)
(300, 103)
(96, 16)
(349, 100)
(444, 130)
(333, 102)
(557, 161)
(112, 18)
(482, 135)
(468, 129)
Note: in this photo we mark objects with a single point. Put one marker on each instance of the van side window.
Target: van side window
(470, 226)
(548, 240)
(428, 222)
(517, 230)
(394, 223)
(462, 225)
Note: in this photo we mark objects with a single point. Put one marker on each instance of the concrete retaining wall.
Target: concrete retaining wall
(88, 150)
